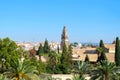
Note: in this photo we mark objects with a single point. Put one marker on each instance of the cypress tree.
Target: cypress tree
(46, 47)
(66, 59)
(58, 49)
(40, 50)
(102, 55)
(64, 54)
(52, 62)
(101, 45)
(69, 57)
(87, 59)
(70, 52)
(117, 52)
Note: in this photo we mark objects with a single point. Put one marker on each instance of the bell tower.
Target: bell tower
(64, 38)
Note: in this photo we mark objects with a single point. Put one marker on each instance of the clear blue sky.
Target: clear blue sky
(35, 20)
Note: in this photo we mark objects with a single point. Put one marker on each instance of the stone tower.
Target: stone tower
(64, 38)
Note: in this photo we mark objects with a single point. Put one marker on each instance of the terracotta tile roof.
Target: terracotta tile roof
(110, 57)
(110, 46)
(92, 57)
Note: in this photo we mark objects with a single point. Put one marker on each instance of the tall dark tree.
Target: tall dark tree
(46, 47)
(69, 57)
(117, 52)
(58, 49)
(103, 56)
(66, 58)
(101, 44)
(101, 49)
(52, 62)
(87, 59)
(40, 50)
(64, 54)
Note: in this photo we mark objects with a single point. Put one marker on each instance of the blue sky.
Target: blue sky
(35, 20)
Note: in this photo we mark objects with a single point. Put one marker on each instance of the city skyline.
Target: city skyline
(36, 20)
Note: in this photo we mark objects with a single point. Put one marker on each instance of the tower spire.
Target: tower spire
(64, 38)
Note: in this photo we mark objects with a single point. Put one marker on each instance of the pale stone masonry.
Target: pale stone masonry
(64, 38)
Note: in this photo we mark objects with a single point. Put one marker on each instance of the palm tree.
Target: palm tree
(22, 70)
(99, 50)
(106, 71)
(81, 68)
(101, 54)
(76, 77)
(3, 77)
(50, 78)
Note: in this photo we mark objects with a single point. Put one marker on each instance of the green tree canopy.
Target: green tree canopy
(70, 56)
(52, 62)
(87, 59)
(103, 56)
(40, 50)
(117, 52)
(23, 70)
(9, 51)
(106, 71)
(75, 44)
(101, 52)
(58, 49)
(101, 44)
(41, 67)
(81, 68)
(66, 57)
(46, 47)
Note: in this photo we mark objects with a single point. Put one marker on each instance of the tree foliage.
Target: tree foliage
(76, 77)
(87, 59)
(22, 70)
(40, 50)
(41, 67)
(58, 49)
(75, 44)
(3, 77)
(117, 52)
(103, 56)
(101, 44)
(9, 51)
(106, 71)
(101, 52)
(46, 47)
(60, 63)
(52, 62)
(66, 57)
(32, 52)
(81, 68)
(70, 56)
